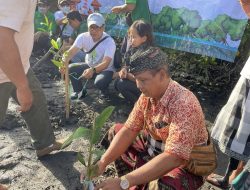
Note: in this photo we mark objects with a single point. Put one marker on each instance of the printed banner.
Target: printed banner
(207, 27)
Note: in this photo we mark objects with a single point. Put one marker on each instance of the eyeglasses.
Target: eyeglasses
(94, 27)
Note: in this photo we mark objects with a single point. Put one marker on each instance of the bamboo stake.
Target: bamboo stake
(67, 102)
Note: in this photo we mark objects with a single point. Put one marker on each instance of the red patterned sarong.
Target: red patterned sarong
(137, 155)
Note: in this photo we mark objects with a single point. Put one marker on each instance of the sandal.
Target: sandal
(218, 182)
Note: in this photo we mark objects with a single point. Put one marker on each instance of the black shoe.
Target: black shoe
(76, 95)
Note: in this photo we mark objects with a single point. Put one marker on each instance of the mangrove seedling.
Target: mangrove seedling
(93, 136)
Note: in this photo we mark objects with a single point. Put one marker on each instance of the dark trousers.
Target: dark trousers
(128, 89)
(102, 80)
(37, 118)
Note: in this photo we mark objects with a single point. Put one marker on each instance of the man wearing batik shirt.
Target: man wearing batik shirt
(152, 147)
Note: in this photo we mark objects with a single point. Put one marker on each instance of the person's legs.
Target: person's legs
(103, 80)
(136, 156)
(37, 118)
(75, 71)
(179, 179)
(224, 181)
(5, 93)
(128, 89)
(237, 171)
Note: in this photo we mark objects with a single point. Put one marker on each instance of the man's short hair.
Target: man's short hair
(151, 58)
(43, 2)
(72, 15)
(96, 18)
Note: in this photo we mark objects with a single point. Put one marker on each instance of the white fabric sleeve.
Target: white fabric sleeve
(110, 49)
(57, 15)
(13, 13)
(79, 42)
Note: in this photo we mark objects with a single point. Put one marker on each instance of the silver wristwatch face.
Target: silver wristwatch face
(124, 183)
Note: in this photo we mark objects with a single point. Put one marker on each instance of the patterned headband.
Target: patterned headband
(147, 59)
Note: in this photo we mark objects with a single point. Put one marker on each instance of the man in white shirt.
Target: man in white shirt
(98, 63)
(17, 80)
(61, 16)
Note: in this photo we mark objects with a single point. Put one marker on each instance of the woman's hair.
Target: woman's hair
(143, 29)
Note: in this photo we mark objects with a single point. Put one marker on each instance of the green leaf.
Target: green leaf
(46, 20)
(42, 30)
(98, 154)
(93, 171)
(50, 26)
(57, 63)
(80, 132)
(81, 158)
(44, 24)
(54, 44)
(99, 122)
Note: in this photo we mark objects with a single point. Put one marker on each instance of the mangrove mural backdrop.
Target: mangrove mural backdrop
(208, 27)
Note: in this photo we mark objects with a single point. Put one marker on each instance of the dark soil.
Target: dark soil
(19, 167)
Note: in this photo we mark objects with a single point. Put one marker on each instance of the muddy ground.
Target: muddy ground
(19, 167)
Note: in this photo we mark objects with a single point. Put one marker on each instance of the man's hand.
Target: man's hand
(88, 73)
(109, 184)
(25, 98)
(116, 9)
(62, 70)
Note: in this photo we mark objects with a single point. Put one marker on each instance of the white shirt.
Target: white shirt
(246, 70)
(19, 16)
(68, 30)
(105, 49)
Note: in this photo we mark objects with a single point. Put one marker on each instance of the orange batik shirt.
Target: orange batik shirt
(176, 119)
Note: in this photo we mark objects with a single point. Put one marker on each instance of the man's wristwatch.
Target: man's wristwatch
(124, 184)
(93, 69)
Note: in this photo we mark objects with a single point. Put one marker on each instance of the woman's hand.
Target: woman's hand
(116, 9)
(123, 73)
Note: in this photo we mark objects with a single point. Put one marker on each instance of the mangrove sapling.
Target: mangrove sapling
(58, 61)
(93, 136)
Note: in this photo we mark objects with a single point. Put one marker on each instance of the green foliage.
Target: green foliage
(99, 122)
(81, 159)
(92, 136)
(54, 44)
(59, 64)
(186, 22)
(47, 25)
(55, 50)
(80, 132)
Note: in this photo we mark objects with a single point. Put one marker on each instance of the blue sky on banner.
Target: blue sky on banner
(208, 11)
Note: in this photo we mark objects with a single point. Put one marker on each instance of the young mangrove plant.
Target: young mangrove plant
(93, 136)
